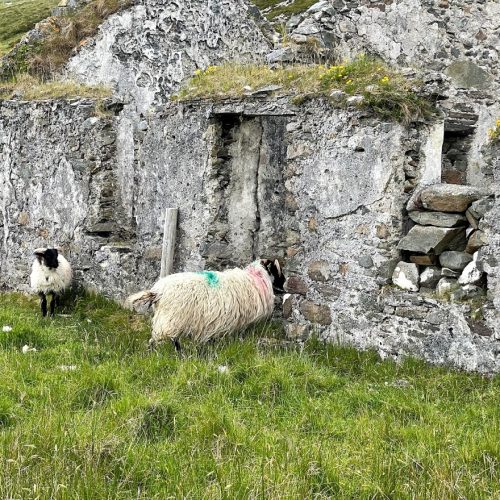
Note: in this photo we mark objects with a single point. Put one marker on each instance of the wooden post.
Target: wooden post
(168, 248)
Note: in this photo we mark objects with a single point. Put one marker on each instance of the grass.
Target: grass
(294, 7)
(18, 17)
(92, 414)
(29, 88)
(384, 90)
(494, 133)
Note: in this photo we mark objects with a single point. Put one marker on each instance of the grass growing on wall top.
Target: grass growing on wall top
(28, 88)
(384, 90)
(92, 414)
(19, 16)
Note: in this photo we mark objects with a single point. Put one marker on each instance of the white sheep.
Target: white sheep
(210, 304)
(50, 274)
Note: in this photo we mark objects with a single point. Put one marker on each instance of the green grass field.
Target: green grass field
(19, 16)
(91, 414)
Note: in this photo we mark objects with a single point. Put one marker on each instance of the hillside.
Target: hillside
(18, 17)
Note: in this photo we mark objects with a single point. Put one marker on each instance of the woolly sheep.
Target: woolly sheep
(50, 274)
(210, 304)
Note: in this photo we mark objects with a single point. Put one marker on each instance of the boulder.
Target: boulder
(449, 273)
(430, 277)
(318, 270)
(428, 239)
(287, 305)
(480, 207)
(458, 243)
(294, 284)
(466, 74)
(473, 221)
(316, 313)
(450, 197)
(455, 260)
(440, 219)
(406, 276)
(476, 240)
(471, 274)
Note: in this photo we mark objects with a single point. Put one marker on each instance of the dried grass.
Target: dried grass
(29, 88)
(70, 32)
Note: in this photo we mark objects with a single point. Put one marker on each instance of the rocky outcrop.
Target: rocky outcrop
(145, 52)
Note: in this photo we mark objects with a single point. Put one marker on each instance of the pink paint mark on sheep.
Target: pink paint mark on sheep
(260, 278)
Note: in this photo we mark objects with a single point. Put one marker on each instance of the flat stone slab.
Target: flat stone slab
(440, 219)
(428, 239)
(455, 260)
(424, 260)
(450, 197)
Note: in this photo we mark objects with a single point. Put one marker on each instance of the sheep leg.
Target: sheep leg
(53, 302)
(151, 345)
(43, 303)
(177, 345)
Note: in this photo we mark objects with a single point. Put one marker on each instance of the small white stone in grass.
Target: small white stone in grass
(6, 328)
(67, 368)
(26, 348)
(223, 369)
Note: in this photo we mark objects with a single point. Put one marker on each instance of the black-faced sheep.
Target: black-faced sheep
(50, 275)
(210, 304)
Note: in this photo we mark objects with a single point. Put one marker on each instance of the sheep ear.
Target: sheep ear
(265, 262)
(278, 267)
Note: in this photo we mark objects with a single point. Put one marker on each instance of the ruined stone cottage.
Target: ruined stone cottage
(373, 253)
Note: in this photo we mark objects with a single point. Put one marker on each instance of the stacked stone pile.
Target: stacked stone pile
(440, 251)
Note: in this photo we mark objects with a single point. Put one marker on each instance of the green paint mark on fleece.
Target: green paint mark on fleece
(211, 277)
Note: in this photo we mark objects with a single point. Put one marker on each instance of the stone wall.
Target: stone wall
(459, 38)
(323, 189)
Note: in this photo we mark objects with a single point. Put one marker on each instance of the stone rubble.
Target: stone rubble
(428, 243)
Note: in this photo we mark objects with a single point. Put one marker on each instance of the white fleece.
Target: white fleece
(46, 280)
(209, 304)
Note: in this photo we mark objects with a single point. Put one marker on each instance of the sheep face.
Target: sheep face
(274, 271)
(47, 257)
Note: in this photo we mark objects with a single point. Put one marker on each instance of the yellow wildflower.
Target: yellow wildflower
(385, 79)
(198, 72)
(497, 123)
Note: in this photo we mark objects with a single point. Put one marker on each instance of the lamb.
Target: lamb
(50, 274)
(209, 304)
